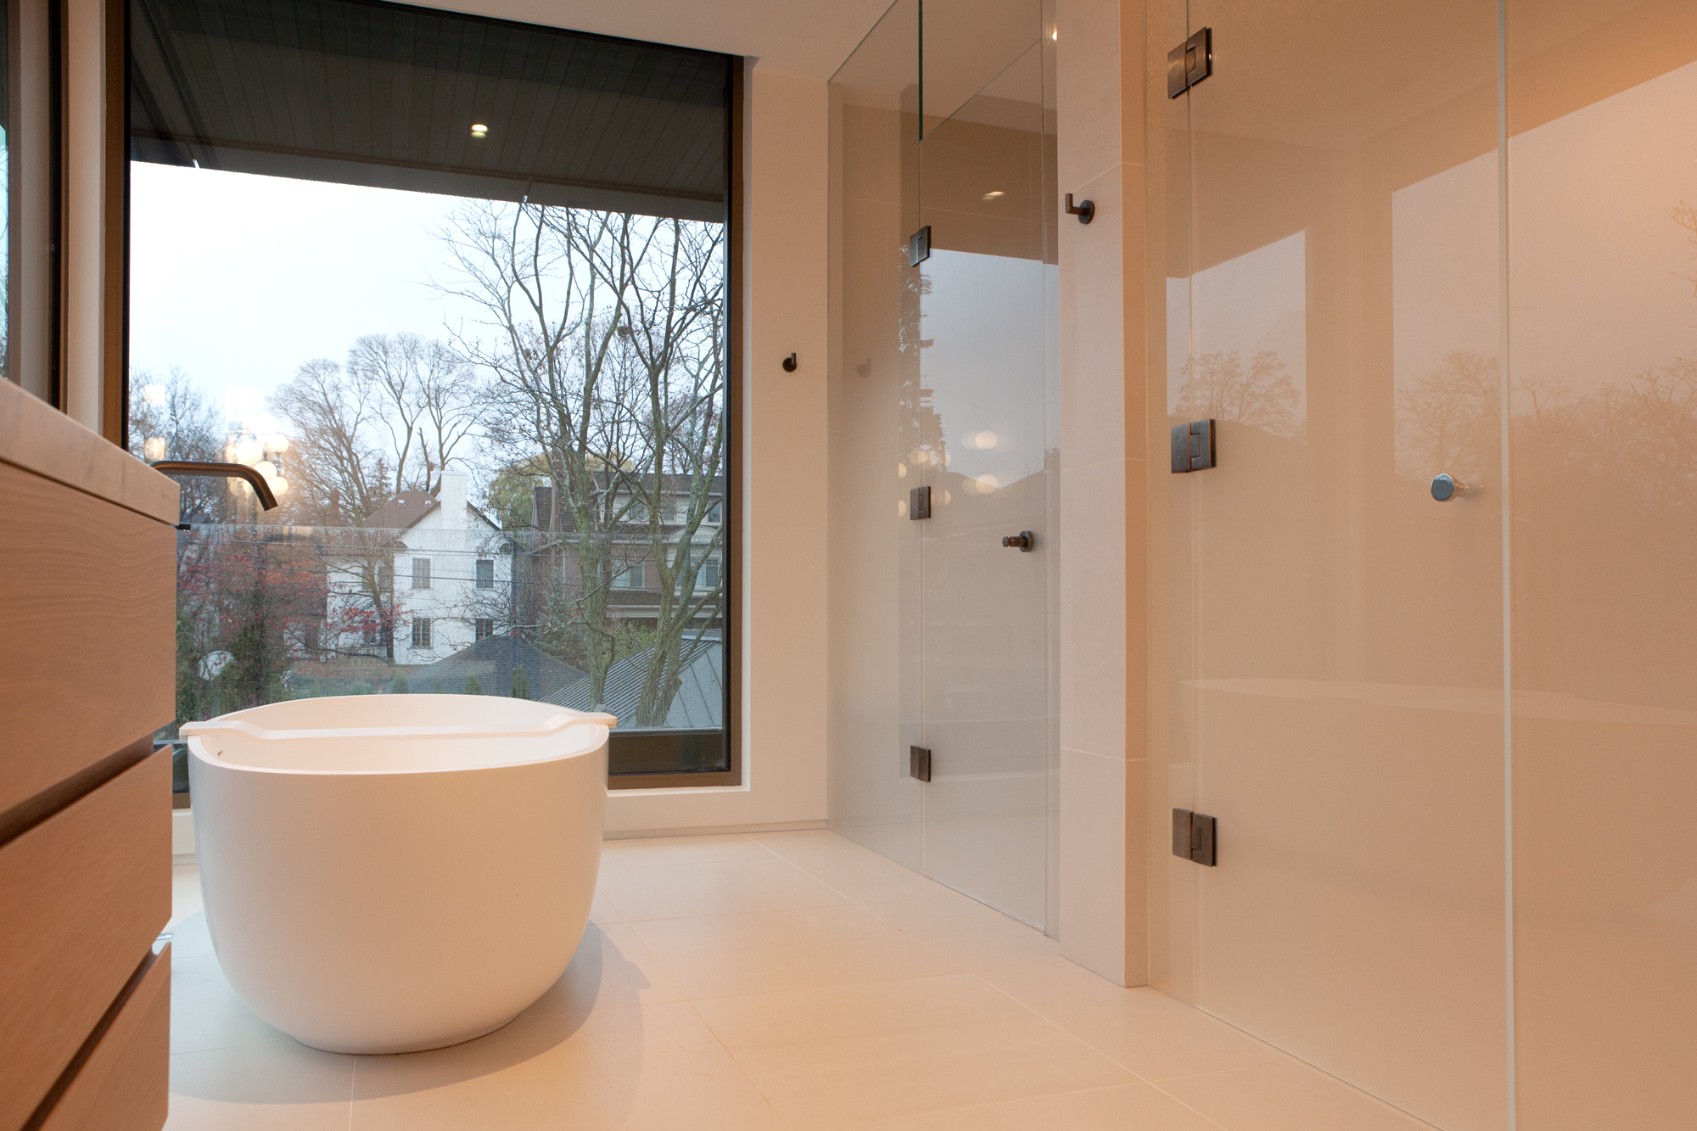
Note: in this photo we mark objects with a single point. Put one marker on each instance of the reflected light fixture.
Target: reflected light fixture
(993, 194)
(1054, 34)
(479, 130)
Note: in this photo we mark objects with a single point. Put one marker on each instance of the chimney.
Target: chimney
(451, 495)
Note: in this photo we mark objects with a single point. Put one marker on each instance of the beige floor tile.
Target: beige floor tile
(878, 1050)
(648, 852)
(973, 935)
(601, 910)
(205, 1011)
(1131, 1107)
(1286, 1097)
(721, 955)
(729, 887)
(185, 890)
(276, 1084)
(646, 1067)
(611, 969)
(1143, 1029)
(859, 873)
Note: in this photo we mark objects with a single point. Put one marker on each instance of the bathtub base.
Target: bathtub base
(368, 1049)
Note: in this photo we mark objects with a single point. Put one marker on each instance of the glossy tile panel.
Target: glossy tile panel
(1602, 210)
(1339, 710)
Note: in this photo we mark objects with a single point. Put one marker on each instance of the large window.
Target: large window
(460, 289)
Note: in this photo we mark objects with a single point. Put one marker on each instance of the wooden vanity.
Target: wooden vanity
(87, 672)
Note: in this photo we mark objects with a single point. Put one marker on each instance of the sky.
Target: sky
(238, 279)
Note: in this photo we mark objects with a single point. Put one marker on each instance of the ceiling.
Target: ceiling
(809, 38)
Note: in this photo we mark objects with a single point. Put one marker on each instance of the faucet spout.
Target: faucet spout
(242, 471)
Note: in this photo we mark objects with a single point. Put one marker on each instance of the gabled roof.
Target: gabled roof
(406, 509)
(402, 511)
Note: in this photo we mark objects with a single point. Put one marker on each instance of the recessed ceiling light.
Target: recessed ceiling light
(994, 194)
(478, 129)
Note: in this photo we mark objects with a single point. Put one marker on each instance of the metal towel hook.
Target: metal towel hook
(1085, 210)
(790, 364)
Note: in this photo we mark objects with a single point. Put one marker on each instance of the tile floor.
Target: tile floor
(782, 980)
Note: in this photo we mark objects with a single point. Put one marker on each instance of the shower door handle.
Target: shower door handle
(1446, 487)
(1024, 541)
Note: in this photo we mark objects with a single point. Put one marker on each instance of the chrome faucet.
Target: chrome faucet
(242, 471)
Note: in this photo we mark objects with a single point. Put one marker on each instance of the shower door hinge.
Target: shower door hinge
(1193, 446)
(919, 763)
(1190, 62)
(919, 503)
(918, 246)
(1193, 837)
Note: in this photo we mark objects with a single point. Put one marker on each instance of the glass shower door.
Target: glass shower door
(1343, 708)
(986, 453)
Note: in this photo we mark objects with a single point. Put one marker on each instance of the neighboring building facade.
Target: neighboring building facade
(551, 565)
(427, 576)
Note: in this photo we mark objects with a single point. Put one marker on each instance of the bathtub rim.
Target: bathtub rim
(197, 748)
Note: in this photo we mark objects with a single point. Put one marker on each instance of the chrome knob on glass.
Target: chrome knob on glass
(1446, 487)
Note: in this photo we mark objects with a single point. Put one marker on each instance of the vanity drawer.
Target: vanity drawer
(88, 597)
(122, 1084)
(86, 893)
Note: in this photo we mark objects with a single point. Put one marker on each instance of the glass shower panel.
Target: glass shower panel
(876, 417)
(1345, 636)
(1602, 208)
(987, 455)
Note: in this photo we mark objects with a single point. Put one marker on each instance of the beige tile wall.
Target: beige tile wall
(1104, 781)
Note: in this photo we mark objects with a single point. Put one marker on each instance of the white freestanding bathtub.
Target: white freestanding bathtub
(389, 873)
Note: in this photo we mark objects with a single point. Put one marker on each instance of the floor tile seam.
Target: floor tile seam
(1204, 1117)
(742, 1069)
(1292, 1058)
(858, 982)
(1026, 1099)
(809, 874)
(1136, 1076)
(1288, 1059)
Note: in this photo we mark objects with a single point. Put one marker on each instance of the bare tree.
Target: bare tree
(607, 356)
(171, 419)
(428, 403)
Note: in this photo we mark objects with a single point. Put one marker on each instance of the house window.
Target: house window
(708, 577)
(486, 573)
(421, 632)
(716, 511)
(368, 634)
(485, 627)
(628, 575)
(421, 573)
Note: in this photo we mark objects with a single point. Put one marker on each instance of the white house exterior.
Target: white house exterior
(433, 566)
